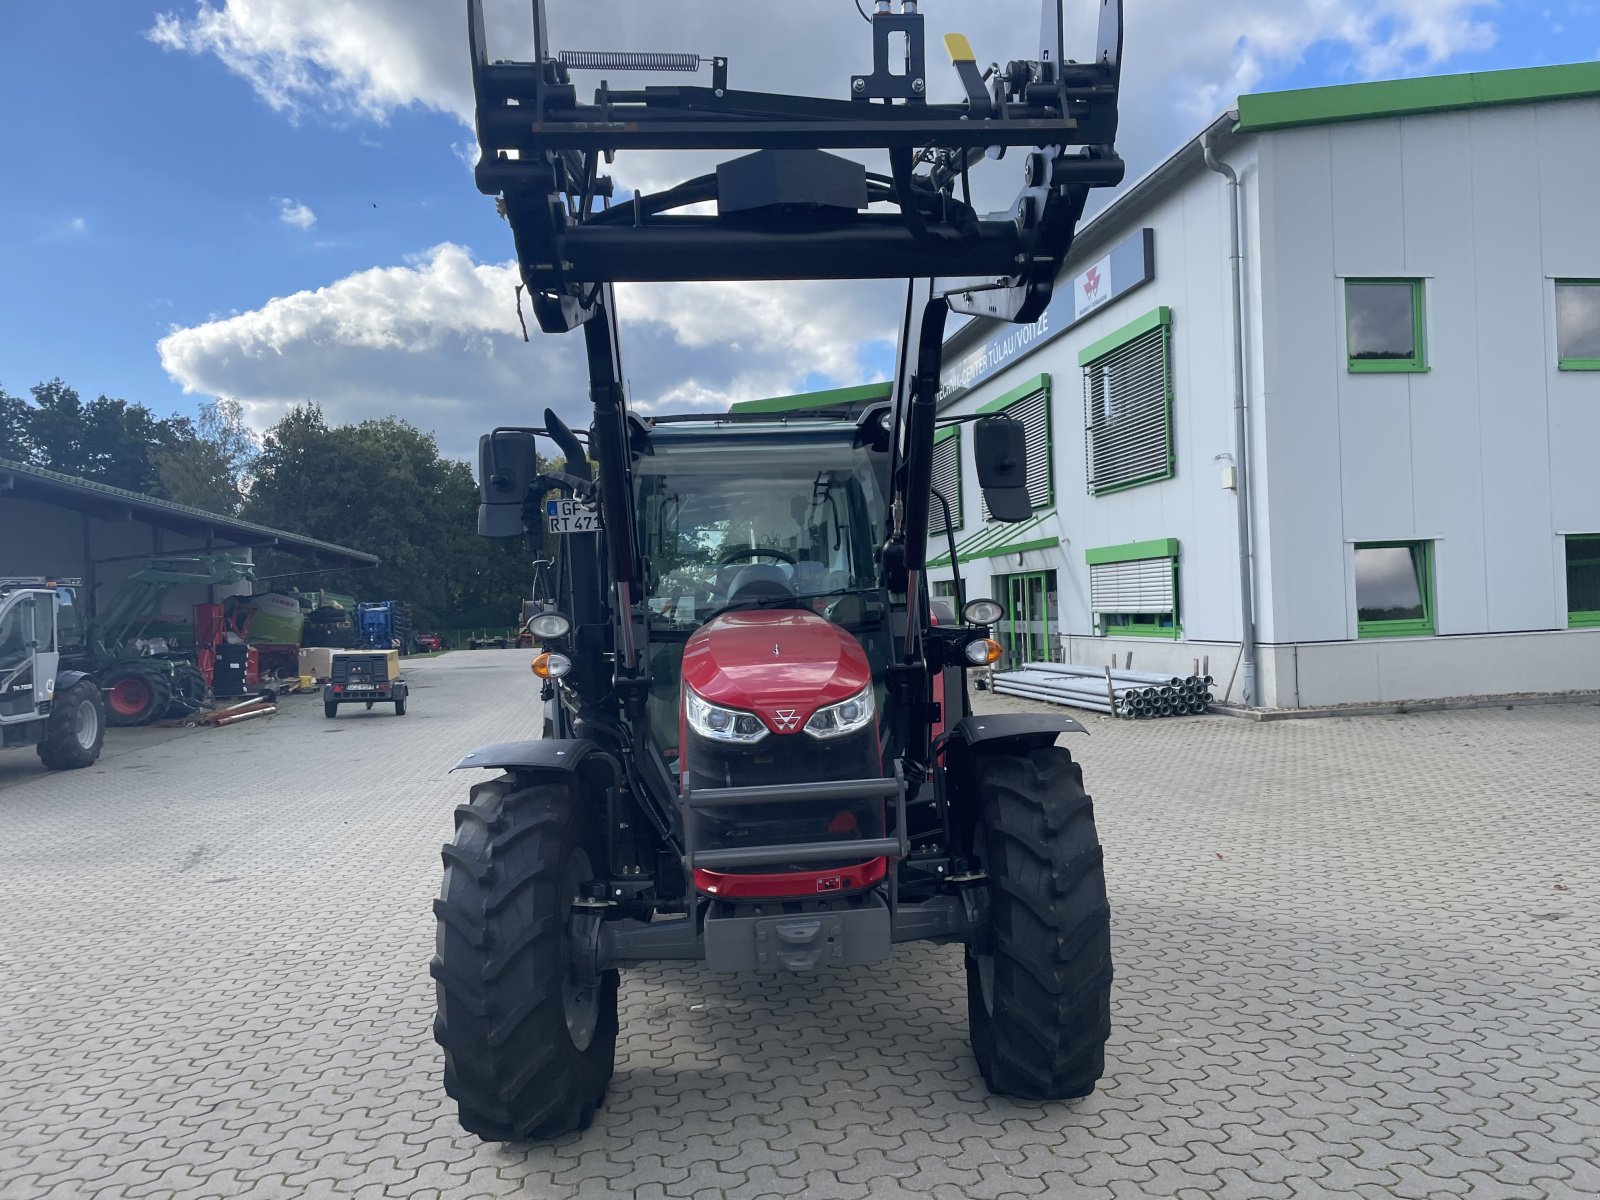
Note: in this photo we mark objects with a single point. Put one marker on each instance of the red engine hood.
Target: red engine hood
(780, 665)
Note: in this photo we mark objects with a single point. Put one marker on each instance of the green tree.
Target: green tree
(111, 441)
(382, 486)
(14, 414)
(207, 464)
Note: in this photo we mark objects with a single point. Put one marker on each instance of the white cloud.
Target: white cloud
(437, 341)
(369, 58)
(295, 214)
(361, 58)
(77, 225)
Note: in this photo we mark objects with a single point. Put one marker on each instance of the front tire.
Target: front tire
(76, 729)
(1039, 979)
(528, 1051)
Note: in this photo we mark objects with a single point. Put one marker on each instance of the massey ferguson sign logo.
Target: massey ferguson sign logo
(788, 718)
(1094, 288)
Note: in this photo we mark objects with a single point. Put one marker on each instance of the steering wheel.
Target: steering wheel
(733, 556)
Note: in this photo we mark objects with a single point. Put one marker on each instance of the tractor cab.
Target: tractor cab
(769, 638)
(751, 527)
(60, 711)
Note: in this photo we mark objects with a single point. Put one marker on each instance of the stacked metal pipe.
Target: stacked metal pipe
(1135, 695)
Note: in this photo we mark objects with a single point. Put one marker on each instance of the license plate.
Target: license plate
(359, 687)
(572, 516)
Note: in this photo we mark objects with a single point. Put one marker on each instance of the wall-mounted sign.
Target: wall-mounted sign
(1130, 264)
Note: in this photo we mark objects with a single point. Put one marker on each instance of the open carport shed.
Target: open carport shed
(58, 525)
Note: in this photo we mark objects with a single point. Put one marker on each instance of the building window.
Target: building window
(1578, 324)
(1127, 405)
(1385, 325)
(1030, 404)
(946, 480)
(1583, 581)
(1133, 589)
(1394, 589)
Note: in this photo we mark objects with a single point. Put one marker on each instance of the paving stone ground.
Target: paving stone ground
(1355, 958)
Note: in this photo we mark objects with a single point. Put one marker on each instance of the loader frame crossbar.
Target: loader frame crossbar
(545, 153)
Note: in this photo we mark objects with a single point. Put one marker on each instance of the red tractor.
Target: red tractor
(758, 749)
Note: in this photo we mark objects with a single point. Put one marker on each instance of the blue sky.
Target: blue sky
(144, 188)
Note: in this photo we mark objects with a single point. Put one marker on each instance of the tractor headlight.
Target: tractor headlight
(982, 612)
(721, 724)
(547, 626)
(845, 717)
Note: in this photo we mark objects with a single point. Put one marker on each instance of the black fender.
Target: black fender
(975, 736)
(66, 679)
(1025, 729)
(544, 754)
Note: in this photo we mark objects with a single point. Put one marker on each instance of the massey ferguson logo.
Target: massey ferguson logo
(788, 718)
(1091, 282)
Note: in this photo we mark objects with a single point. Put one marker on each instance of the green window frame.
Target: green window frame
(947, 479)
(1422, 566)
(1587, 558)
(1133, 589)
(1030, 404)
(1128, 406)
(1591, 292)
(1417, 362)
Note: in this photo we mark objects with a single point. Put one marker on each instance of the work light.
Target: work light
(982, 612)
(547, 626)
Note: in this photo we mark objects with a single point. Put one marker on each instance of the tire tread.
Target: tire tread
(1050, 930)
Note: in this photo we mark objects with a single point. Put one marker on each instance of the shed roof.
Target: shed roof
(22, 481)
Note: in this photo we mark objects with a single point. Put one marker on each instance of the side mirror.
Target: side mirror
(1001, 451)
(507, 465)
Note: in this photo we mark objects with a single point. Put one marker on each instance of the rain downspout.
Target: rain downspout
(1241, 429)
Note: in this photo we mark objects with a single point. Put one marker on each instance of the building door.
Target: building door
(1028, 631)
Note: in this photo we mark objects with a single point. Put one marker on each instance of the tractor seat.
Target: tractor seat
(759, 581)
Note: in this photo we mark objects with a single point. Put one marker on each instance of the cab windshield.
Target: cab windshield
(740, 521)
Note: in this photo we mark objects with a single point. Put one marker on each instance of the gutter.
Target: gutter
(1241, 428)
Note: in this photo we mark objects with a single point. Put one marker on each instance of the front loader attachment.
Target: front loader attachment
(790, 209)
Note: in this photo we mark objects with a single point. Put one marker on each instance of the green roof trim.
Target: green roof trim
(1133, 552)
(1039, 383)
(1266, 111)
(996, 539)
(865, 393)
(1137, 327)
(944, 435)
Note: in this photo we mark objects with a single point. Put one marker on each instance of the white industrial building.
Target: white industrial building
(1420, 336)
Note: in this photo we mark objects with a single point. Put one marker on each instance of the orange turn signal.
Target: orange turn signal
(551, 666)
(984, 652)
